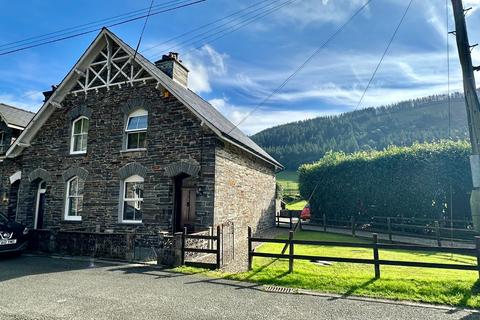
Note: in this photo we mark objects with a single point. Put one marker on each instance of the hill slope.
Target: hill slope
(419, 120)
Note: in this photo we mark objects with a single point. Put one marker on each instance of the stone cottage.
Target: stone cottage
(122, 145)
(12, 123)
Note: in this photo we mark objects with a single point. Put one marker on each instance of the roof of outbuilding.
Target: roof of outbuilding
(15, 116)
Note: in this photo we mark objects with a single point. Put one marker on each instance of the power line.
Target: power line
(203, 26)
(239, 25)
(323, 45)
(229, 29)
(384, 54)
(77, 28)
(97, 29)
(143, 30)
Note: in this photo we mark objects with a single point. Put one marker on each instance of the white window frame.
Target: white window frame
(136, 113)
(72, 136)
(134, 178)
(67, 201)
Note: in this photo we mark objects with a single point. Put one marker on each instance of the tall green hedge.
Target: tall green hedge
(398, 181)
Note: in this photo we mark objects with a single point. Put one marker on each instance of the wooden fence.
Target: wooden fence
(210, 249)
(438, 230)
(375, 246)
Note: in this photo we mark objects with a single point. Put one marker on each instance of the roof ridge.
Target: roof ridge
(17, 108)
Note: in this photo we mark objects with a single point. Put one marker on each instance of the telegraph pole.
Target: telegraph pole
(472, 104)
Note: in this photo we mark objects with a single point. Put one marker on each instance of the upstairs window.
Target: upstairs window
(136, 130)
(74, 201)
(79, 135)
(132, 200)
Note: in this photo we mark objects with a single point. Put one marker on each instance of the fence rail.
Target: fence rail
(400, 226)
(375, 246)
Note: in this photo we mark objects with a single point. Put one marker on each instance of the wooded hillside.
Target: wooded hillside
(401, 124)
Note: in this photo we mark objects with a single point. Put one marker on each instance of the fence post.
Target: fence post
(277, 218)
(291, 252)
(477, 245)
(250, 257)
(218, 247)
(291, 219)
(352, 222)
(437, 233)
(389, 225)
(182, 258)
(210, 233)
(375, 256)
(324, 222)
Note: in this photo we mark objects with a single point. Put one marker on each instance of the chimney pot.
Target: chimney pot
(172, 66)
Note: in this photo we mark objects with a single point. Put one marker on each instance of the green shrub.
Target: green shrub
(410, 181)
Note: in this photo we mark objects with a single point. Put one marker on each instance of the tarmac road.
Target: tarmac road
(33, 287)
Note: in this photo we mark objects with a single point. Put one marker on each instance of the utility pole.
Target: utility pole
(472, 104)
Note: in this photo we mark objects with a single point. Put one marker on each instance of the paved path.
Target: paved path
(46, 288)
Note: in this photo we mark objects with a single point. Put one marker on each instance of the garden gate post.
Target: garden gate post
(375, 256)
(219, 246)
(324, 222)
(250, 257)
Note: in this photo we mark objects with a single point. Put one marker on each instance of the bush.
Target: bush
(398, 181)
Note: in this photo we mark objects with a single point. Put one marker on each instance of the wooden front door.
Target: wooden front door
(187, 211)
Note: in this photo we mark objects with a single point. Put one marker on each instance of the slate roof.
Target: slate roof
(15, 116)
(205, 109)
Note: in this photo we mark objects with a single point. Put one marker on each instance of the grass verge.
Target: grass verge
(438, 286)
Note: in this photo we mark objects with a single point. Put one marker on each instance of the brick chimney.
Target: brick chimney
(172, 66)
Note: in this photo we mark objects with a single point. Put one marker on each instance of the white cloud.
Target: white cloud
(203, 64)
(263, 119)
(324, 11)
(29, 100)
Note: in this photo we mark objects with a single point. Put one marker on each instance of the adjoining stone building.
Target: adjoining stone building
(12, 123)
(122, 145)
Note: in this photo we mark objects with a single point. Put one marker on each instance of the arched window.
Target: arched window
(74, 200)
(132, 199)
(136, 129)
(79, 135)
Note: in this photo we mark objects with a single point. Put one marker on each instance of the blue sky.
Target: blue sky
(236, 72)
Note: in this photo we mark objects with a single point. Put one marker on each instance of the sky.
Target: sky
(236, 72)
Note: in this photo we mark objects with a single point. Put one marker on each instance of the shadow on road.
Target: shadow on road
(27, 265)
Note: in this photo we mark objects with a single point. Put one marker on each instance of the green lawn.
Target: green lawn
(289, 181)
(452, 287)
(297, 205)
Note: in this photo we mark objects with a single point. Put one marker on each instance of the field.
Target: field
(452, 287)
(289, 181)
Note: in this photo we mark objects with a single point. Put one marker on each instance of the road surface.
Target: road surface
(35, 287)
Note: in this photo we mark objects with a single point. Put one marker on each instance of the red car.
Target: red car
(305, 214)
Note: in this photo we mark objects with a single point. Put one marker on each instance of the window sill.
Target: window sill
(72, 221)
(73, 154)
(134, 150)
(131, 222)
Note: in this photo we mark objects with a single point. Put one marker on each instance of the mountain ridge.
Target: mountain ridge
(404, 123)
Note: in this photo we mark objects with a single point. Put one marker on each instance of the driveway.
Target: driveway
(50, 288)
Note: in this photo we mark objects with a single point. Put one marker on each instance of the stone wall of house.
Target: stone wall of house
(174, 135)
(244, 194)
(9, 192)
